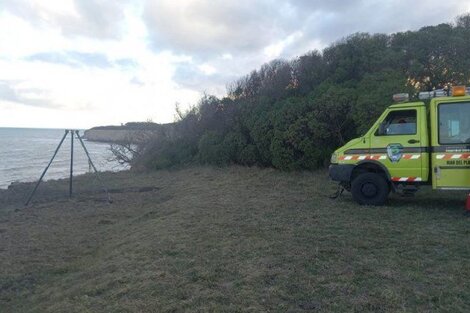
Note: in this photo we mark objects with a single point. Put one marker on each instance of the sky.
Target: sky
(85, 63)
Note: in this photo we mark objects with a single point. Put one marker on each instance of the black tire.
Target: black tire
(370, 189)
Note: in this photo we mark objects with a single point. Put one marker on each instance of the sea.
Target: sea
(25, 153)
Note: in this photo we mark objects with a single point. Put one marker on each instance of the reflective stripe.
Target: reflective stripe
(408, 150)
(407, 179)
(451, 149)
(411, 156)
(376, 157)
(451, 156)
(362, 157)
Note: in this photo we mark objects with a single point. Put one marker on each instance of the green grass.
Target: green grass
(231, 240)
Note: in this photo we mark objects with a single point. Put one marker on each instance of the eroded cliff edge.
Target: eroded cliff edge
(129, 132)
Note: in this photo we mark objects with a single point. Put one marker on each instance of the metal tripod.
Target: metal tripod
(73, 133)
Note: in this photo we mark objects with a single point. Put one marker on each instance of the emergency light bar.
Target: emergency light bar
(455, 91)
(424, 95)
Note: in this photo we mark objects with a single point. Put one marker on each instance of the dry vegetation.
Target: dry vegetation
(230, 240)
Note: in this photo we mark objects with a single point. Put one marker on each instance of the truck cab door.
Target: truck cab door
(451, 144)
(402, 136)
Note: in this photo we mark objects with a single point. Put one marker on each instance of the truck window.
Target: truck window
(454, 123)
(401, 122)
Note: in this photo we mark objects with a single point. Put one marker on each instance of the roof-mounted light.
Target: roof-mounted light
(458, 91)
(401, 97)
(425, 95)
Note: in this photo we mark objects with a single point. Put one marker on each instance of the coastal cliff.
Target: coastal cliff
(129, 132)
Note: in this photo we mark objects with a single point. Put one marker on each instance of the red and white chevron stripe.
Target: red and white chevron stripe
(363, 157)
(376, 157)
(453, 156)
(407, 179)
(411, 156)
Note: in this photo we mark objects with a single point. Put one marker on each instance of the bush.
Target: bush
(166, 153)
(293, 114)
(249, 155)
(233, 145)
(212, 150)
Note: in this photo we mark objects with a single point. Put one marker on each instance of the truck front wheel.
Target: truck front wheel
(370, 189)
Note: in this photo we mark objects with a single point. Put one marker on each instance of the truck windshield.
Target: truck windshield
(454, 123)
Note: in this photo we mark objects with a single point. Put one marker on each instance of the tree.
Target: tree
(374, 94)
(293, 114)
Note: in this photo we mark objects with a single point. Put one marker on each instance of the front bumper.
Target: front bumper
(341, 172)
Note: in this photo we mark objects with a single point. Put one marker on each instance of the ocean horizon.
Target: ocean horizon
(25, 153)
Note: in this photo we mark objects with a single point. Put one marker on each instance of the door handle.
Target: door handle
(413, 141)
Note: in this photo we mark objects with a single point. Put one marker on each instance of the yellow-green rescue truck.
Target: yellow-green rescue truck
(411, 144)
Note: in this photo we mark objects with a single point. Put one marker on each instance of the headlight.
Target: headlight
(334, 158)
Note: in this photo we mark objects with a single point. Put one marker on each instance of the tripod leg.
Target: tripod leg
(71, 166)
(47, 167)
(93, 166)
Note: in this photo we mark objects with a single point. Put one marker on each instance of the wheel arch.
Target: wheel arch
(374, 167)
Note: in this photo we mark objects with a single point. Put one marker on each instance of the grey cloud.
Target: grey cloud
(73, 58)
(207, 28)
(190, 76)
(7, 93)
(378, 17)
(322, 5)
(213, 27)
(12, 92)
(95, 18)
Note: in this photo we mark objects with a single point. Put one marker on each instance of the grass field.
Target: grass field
(230, 240)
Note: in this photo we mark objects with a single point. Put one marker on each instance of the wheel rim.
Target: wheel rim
(369, 190)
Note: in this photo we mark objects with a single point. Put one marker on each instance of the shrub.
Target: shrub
(212, 150)
(249, 155)
(166, 153)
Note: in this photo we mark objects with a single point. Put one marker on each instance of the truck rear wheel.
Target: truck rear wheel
(370, 189)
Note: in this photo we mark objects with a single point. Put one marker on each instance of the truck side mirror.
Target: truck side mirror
(382, 129)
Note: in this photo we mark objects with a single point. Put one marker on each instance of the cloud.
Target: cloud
(127, 63)
(228, 39)
(12, 91)
(7, 92)
(204, 28)
(208, 28)
(90, 18)
(136, 81)
(73, 58)
(203, 78)
(330, 24)
(115, 61)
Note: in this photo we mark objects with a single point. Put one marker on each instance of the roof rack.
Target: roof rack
(459, 91)
(454, 91)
